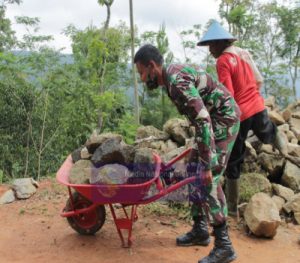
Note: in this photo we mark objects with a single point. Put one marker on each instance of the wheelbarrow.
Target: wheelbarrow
(85, 208)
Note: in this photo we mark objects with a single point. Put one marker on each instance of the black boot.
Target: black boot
(223, 251)
(197, 236)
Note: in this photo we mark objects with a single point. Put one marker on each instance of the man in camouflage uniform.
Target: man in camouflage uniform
(213, 112)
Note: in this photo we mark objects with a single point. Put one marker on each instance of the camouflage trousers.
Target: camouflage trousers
(210, 200)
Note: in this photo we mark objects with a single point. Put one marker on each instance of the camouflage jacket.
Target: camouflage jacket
(206, 103)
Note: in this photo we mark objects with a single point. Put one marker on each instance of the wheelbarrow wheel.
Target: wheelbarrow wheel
(86, 223)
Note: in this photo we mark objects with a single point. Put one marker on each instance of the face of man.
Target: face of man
(147, 75)
(216, 48)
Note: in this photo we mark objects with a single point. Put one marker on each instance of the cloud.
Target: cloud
(55, 15)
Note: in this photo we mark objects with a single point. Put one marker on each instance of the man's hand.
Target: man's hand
(206, 177)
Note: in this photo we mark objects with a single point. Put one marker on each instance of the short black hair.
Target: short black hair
(146, 53)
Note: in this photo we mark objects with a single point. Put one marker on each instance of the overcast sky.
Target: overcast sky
(55, 15)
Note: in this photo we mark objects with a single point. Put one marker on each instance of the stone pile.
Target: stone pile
(107, 159)
(22, 188)
(265, 170)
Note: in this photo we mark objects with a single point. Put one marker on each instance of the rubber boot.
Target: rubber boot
(281, 143)
(223, 251)
(232, 196)
(197, 236)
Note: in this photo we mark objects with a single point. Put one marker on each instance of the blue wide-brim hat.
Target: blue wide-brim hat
(215, 32)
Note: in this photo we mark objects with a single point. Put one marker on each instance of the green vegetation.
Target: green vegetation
(50, 107)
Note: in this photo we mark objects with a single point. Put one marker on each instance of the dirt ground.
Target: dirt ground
(33, 231)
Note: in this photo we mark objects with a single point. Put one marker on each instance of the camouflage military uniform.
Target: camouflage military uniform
(213, 112)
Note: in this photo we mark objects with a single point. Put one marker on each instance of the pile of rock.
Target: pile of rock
(265, 170)
(22, 188)
(107, 159)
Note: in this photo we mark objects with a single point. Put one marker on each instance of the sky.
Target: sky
(55, 15)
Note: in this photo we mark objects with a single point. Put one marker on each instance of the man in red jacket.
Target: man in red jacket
(239, 74)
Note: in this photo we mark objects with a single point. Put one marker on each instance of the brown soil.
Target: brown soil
(33, 231)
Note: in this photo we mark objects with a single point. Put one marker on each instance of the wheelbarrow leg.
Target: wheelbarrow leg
(125, 223)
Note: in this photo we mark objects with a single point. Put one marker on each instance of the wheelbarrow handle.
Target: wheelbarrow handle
(175, 159)
(164, 167)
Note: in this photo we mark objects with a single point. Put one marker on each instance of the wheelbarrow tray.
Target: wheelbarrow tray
(110, 193)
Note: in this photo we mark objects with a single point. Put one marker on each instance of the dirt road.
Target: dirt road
(33, 231)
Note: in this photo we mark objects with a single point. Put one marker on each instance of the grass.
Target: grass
(22, 211)
(179, 210)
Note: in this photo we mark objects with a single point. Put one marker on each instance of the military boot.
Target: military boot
(223, 251)
(197, 236)
(232, 196)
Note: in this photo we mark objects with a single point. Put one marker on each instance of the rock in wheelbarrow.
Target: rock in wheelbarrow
(143, 167)
(110, 174)
(81, 172)
(110, 151)
(96, 140)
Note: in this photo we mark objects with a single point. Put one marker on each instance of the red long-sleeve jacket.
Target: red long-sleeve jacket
(237, 71)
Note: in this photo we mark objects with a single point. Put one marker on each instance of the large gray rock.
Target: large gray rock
(81, 172)
(270, 102)
(273, 164)
(110, 151)
(76, 154)
(294, 149)
(7, 197)
(147, 131)
(110, 174)
(279, 201)
(295, 124)
(172, 154)
(144, 167)
(153, 143)
(97, 139)
(276, 117)
(293, 205)
(24, 187)
(291, 176)
(296, 131)
(255, 142)
(170, 146)
(291, 137)
(128, 151)
(296, 114)
(262, 216)
(84, 153)
(284, 192)
(178, 129)
(250, 164)
(252, 183)
(297, 217)
(286, 114)
(267, 148)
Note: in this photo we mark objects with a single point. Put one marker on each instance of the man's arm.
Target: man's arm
(190, 102)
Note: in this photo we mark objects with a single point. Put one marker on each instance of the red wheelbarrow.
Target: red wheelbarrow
(85, 208)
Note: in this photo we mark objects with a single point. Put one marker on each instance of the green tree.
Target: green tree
(7, 35)
(156, 109)
(238, 15)
(289, 22)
